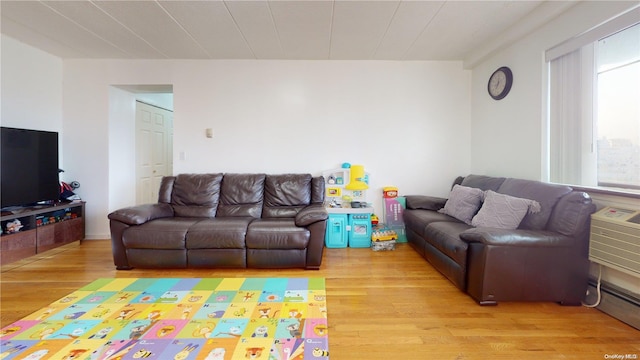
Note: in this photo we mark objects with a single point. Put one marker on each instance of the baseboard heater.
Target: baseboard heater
(615, 302)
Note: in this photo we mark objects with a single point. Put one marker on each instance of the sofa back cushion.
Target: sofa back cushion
(285, 195)
(241, 195)
(482, 182)
(195, 195)
(317, 190)
(166, 189)
(545, 194)
(572, 213)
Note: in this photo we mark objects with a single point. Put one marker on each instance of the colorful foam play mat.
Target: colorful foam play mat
(170, 318)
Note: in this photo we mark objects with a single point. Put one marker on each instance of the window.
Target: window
(618, 109)
(594, 107)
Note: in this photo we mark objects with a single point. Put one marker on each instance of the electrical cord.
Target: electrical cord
(597, 289)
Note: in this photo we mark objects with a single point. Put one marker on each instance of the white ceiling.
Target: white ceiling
(276, 29)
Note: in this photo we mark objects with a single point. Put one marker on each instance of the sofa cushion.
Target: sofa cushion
(503, 211)
(425, 202)
(317, 190)
(285, 195)
(463, 203)
(417, 220)
(445, 236)
(165, 233)
(276, 234)
(218, 233)
(483, 182)
(241, 195)
(196, 195)
(545, 194)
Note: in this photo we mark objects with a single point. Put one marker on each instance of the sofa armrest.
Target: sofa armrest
(504, 237)
(311, 214)
(140, 214)
(425, 202)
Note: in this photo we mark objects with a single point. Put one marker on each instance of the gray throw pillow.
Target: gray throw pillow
(463, 203)
(503, 211)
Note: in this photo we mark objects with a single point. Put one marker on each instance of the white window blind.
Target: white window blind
(571, 152)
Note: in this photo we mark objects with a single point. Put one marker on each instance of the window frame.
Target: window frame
(584, 46)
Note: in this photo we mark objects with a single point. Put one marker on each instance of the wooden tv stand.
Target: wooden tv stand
(44, 227)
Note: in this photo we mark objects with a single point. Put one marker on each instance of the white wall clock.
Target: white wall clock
(500, 83)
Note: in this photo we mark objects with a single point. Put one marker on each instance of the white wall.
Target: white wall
(508, 137)
(396, 118)
(121, 147)
(31, 88)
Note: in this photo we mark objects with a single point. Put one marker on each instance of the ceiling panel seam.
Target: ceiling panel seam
(275, 26)
(406, 52)
(128, 29)
(183, 29)
(235, 23)
(386, 31)
(333, 9)
(17, 21)
(85, 29)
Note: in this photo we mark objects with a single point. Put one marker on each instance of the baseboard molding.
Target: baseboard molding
(616, 302)
(97, 237)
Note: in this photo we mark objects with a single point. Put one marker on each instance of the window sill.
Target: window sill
(631, 194)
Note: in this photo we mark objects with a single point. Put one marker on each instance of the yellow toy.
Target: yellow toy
(390, 192)
(383, 235)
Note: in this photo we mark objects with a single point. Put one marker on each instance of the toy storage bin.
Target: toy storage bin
(383, 245)
(336, 235)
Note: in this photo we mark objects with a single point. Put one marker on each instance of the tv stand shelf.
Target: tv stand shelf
(39, 228)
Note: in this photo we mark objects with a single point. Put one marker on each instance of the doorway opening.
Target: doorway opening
(140, 142)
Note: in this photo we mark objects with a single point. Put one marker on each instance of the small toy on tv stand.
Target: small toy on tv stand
(13, 227)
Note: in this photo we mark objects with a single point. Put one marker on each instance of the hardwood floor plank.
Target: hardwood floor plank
(381, 305)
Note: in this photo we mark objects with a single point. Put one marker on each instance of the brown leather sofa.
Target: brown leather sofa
(544, 259)
(224, 220)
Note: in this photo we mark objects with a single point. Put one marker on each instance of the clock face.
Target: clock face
(500, 83)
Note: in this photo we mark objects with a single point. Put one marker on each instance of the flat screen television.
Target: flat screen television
(29, 165)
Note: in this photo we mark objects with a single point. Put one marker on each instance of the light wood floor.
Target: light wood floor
(381, 305)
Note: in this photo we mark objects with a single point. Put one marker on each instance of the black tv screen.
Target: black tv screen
(29, 165)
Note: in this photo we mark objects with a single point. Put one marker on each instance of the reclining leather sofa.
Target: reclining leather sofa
(545, 258)
(224, 220)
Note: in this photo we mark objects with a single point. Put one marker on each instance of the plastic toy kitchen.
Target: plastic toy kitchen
(350, 214)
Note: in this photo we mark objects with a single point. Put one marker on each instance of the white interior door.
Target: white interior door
(154, 159)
